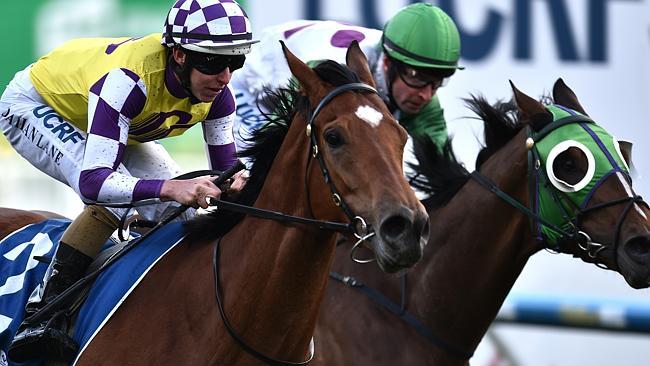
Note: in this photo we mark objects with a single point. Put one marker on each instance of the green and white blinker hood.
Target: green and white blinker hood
(558, 203)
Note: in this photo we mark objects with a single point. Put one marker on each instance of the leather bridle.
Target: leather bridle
(357, 225)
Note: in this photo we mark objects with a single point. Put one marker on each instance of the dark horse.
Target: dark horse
(339, 162)
(480, 243)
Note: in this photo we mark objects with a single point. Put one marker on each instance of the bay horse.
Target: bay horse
(13, 219)
(333, 167)
(480, 243)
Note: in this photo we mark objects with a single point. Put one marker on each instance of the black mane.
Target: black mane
(440, 174)
(265, 143)
(501, 122)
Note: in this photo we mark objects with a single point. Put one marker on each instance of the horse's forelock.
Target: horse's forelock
(335, 73)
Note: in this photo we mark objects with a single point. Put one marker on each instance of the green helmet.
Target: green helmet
(422, 35)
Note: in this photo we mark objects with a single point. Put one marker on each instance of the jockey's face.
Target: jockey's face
(206, 87)
(410, 99)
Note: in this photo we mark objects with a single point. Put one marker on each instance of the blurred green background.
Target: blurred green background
(32, 28)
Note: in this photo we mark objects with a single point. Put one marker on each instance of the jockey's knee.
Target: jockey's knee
(90, 230)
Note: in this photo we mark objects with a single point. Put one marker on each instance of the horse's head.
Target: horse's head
(357, 146)
(584, 187)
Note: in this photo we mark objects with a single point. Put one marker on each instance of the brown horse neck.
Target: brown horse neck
(284, 282)
(474, 255)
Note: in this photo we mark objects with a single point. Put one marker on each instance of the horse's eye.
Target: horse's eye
(570, 166)
(334, 138)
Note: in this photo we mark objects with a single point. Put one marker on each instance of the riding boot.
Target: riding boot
(79, 245)
(49, 337)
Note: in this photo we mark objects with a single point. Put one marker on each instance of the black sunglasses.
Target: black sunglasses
(210, 64)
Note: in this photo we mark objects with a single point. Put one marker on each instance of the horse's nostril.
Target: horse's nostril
(394, 226)
(638, 246)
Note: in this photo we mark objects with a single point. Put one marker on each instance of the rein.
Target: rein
(242, 343)
(492, 187)
(280, 217)
(401, 312)
(67, 295)
(573, 233)
(357, 226)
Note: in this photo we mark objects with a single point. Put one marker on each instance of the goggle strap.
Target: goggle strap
(210, 37)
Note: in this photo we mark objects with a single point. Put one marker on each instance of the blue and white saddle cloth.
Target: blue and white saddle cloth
(20, 273)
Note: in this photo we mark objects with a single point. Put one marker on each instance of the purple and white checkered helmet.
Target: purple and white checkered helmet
(209, 26)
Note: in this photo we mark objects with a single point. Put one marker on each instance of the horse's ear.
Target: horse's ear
(563, 95)
(309, 81)
(537, 115)
(357, 62)
(626, 151)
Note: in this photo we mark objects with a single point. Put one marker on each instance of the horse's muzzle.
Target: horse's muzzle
(402, 235)
(634, 261)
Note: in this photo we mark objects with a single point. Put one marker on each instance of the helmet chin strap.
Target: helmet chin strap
(391, 74)
(183, 72)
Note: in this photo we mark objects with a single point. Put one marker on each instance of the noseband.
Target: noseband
(594, 249)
